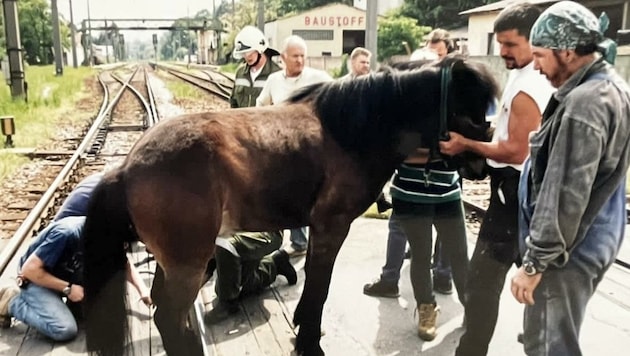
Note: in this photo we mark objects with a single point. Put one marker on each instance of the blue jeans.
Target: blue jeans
(396, 243)
(298, 238)
(441, 263)
(44, 310)
(552, 325)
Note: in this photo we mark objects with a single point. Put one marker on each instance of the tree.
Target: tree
(440, 13)
(393, 31)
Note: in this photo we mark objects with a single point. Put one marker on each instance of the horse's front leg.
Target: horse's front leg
(324, 245)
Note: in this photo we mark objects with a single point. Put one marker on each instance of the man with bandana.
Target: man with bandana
(523, 100)
(572, 191)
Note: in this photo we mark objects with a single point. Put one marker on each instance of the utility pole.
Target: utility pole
(90, 35)
(106, 43)
(371, 25)
(74, 40)
(56, 38)
(14, 49)
(261, 16)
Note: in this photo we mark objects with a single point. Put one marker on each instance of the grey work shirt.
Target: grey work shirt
(579, 157)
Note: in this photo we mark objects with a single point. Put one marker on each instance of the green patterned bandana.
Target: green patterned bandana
(566, 25)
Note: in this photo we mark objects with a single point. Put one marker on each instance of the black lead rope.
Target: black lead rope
(445, 73)
(445, 78)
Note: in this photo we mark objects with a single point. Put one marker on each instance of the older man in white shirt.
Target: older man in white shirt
(295, 75)
(278, 88)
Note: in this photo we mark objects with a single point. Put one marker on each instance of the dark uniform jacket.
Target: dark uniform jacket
(245, 91)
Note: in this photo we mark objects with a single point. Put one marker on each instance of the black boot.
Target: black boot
(284, 266)
(222, 311)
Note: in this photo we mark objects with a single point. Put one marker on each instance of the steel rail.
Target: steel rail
(34, 217)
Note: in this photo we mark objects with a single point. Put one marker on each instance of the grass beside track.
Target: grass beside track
(51, 101)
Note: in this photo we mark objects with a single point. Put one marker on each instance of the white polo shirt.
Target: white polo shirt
(279, 87)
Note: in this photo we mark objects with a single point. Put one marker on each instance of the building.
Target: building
(481, 39)
(329, 31)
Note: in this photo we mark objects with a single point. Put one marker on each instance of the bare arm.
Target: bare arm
(33, 270)
(524, 118)
(134, 277)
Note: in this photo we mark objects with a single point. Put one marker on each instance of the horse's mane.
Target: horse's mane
(371, 104)
(349, 107)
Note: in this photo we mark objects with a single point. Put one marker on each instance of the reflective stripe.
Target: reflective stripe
(259, 83)
(241, 82)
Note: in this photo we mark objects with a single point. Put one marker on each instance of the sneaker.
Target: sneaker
(6, 296)
(284, 266)
(427, 323)
(222, 311)
(295, 252)
(381, 288)
(443, 285)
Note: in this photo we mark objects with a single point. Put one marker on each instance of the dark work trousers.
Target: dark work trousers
(251, 271)
(417, 220)
(495, 251)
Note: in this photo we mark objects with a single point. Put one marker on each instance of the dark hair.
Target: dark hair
(519, 17)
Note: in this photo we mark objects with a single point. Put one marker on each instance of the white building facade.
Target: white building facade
(329, 31)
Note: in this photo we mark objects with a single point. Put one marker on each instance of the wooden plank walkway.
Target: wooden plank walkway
(354, 324)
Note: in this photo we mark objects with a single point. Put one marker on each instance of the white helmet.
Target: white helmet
(249, 39)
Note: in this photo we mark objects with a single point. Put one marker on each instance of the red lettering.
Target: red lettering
(307, 21)
(353, 19)
(346, 20)
(315, 22)
(331, 21)
(361, 19)
(338, 21)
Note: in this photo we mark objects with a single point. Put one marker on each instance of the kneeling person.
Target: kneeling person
(247, 263)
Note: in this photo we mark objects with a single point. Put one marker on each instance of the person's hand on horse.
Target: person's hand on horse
(455, 145)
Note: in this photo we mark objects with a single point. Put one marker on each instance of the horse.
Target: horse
(319, 159)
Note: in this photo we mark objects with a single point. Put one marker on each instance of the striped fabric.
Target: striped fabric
(428, 184)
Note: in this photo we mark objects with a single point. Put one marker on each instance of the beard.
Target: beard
(511, 63)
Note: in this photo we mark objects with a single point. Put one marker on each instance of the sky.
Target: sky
(125, 9)
(162, 9)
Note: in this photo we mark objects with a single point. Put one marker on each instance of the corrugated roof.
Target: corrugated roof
(500, 5)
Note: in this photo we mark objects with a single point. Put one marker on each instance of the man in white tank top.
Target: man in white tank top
(524, 98)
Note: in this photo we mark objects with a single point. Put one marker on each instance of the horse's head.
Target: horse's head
(470, 90)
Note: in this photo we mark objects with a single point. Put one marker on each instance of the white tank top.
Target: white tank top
(526, 80)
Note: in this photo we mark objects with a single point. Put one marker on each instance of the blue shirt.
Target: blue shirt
(58, 247)
(77, 201)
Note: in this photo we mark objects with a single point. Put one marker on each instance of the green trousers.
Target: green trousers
(252, 270)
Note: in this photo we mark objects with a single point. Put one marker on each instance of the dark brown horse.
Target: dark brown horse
(319, 160)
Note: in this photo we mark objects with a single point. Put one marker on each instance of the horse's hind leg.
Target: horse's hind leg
(324, 246)
(174, 295)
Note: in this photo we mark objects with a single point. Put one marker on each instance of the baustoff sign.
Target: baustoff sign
(334, 21)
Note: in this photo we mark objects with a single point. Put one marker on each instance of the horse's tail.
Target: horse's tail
(107, 228)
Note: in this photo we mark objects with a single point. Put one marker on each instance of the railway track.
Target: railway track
(128, 108)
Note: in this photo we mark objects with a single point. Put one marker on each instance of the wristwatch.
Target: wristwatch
(66, 291)
(530, 268)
